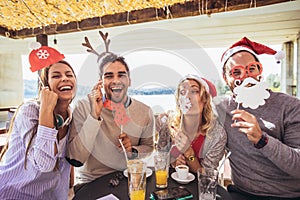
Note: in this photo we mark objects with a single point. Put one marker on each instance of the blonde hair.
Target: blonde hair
(207, 118)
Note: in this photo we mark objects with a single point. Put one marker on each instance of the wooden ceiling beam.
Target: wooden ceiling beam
(190, 8)
(4, 32)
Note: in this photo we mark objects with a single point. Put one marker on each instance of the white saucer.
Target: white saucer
(148, 172)
(190, 178)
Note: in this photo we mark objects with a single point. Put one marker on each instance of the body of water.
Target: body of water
(158, 103)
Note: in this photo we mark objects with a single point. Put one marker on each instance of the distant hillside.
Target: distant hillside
(31, 91)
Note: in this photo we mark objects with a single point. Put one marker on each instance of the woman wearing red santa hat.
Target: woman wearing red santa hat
(33, 163)
(263, 136)
(199, 138)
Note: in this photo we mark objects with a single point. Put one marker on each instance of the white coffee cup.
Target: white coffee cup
(182, 171)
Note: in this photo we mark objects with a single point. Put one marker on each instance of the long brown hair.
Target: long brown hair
(44, 77)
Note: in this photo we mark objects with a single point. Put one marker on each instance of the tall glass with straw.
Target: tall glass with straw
(136, 179)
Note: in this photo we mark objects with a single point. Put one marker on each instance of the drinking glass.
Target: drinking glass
(136, 179)
(207, 184)
(161, 165)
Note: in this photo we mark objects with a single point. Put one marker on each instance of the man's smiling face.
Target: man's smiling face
(116, 81)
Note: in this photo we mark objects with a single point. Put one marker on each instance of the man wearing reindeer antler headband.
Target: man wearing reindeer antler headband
(109, 127)
(262, 128)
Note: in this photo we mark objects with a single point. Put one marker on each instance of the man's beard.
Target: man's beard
(252, 96)
(117, 98)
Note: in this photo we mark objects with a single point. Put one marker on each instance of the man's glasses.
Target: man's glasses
(253, 69)
(115, 181)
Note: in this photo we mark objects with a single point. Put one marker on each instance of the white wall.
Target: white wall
(11, 80)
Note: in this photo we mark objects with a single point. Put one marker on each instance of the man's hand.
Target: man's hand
(247, 123)
(126, 143)
(95, 98)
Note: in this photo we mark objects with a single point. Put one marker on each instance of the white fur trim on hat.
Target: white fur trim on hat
(197, 78)
(279, 55)
(35, 45)
(234, 50)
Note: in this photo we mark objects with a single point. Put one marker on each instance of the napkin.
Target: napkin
(108, 197)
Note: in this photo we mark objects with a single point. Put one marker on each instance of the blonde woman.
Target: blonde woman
(200, 140)
(33, 163)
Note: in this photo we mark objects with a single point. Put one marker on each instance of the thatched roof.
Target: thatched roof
(28, 18)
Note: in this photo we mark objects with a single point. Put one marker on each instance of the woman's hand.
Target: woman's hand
(180, 160)
(95, 98)
(161, 119)
(189, 152)
(193, 164)
(181, 141)
(48, 101)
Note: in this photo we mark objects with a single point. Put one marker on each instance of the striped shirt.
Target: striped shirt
(40, 179)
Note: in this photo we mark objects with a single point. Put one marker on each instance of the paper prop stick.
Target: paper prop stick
(120, 118)
(184, 105)
(124, 150)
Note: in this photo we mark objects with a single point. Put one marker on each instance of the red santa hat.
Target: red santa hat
(255, 48)
(209, 86)
(43, 56)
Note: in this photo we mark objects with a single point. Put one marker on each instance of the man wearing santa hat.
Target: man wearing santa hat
(262, 126)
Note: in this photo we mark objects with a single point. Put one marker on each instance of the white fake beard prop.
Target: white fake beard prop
(253, 96)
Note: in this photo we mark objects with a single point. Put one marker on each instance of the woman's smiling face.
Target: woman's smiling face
(62, 81)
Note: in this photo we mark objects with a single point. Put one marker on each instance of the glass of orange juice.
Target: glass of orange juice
(161, 165)
(136, 179)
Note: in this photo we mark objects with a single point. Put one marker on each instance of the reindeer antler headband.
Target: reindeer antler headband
(92, 50)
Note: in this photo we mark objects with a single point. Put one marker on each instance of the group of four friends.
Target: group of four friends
(259, 128)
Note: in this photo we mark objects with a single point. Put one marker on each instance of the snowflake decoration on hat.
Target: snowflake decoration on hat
(42, 54)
